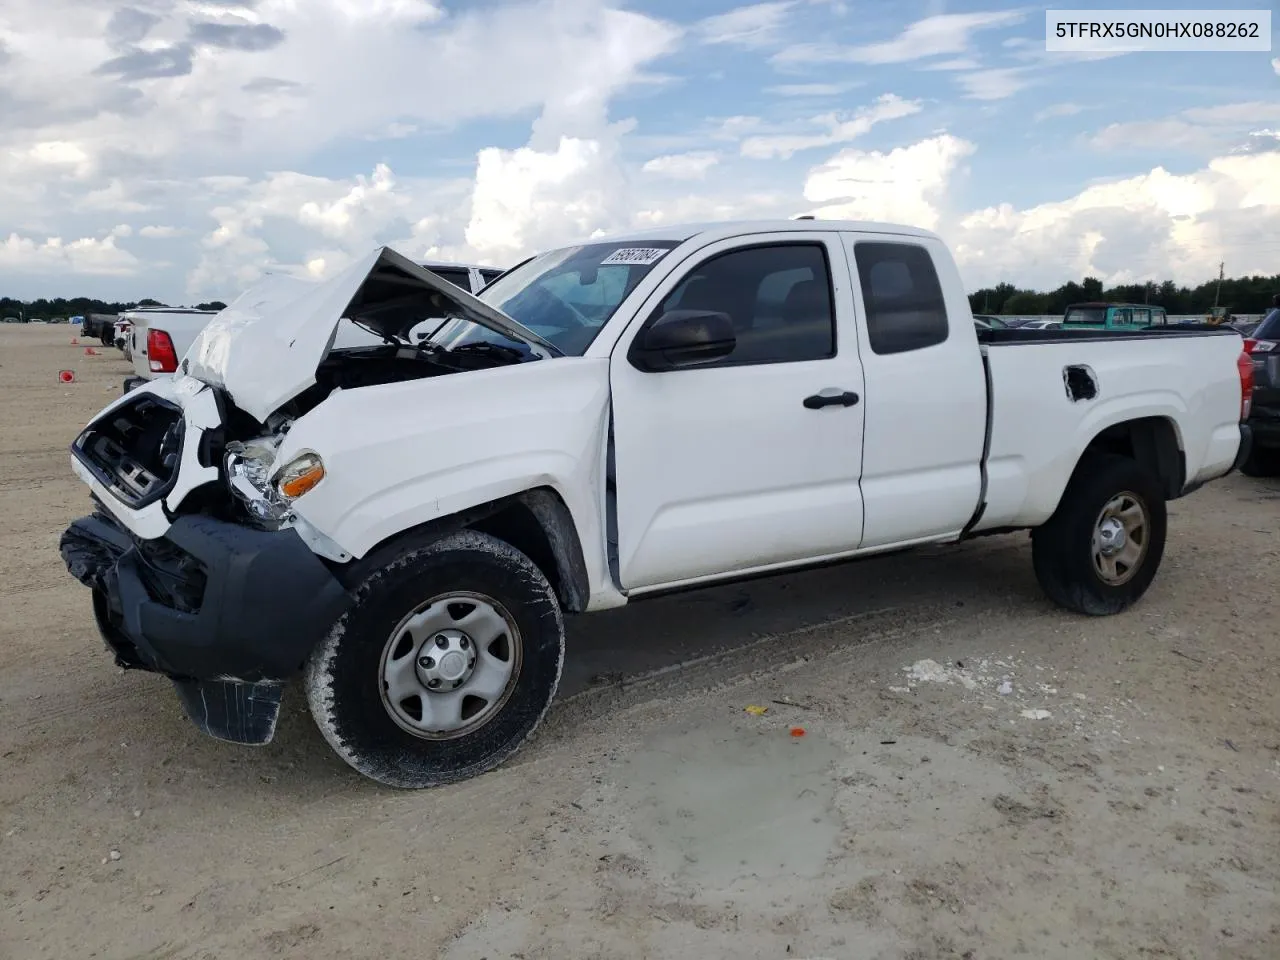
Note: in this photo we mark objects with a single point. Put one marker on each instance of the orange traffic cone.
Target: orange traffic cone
(67, 376)
(90, 352)
(74, 341)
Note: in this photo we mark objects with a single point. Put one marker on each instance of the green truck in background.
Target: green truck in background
(1113, 316)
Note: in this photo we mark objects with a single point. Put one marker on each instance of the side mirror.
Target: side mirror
(683, 338)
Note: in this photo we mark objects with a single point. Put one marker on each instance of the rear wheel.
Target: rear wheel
(447, 662)
(1101, 549)
(1262, 462)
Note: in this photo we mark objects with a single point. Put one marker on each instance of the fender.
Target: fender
(400, 457)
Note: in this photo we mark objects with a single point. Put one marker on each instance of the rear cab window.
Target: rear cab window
(902, 297)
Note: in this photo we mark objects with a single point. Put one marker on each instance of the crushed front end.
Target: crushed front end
(183, 581)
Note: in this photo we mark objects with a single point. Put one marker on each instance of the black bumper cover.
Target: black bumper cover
(227, 612)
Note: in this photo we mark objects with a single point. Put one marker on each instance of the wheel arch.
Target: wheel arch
(1154, 442)
(537, 522)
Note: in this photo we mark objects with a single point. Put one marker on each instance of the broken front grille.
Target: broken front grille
(135, 449)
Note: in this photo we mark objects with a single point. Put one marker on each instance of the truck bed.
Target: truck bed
(1051, 391)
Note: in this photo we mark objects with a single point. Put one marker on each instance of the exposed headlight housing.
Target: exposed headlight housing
(248, 471)
(267, 491)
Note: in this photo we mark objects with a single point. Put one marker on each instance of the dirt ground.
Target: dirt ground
(980, 775)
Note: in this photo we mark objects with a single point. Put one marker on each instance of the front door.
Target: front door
(725, 468)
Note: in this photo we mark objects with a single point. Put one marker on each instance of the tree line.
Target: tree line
(1239, 295)
(43, 309)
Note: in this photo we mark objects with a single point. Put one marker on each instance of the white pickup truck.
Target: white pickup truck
(404, 524)
(160, 336)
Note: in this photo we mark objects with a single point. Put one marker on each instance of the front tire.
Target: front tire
(1100, 550)
(444, 666)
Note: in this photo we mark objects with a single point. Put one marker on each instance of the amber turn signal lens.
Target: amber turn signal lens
(300, 476)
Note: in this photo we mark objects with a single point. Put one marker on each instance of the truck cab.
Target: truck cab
(1113, 316)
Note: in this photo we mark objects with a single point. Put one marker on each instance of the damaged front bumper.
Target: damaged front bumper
(227, 612)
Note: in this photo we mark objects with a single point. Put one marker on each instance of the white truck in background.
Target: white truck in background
(403, 525)
(158, 337)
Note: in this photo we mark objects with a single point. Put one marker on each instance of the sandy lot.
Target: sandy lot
(980, 775)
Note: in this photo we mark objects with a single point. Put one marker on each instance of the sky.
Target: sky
(181, 149)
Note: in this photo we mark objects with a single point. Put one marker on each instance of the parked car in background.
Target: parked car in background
(99, 326)
(1263, 348)
(404, 526)
(158, 337)
(161, 336)
(1113, 316)
(986, 321)
(1039, 325)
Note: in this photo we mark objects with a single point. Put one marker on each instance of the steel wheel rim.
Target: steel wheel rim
(1121, 536)
(491, 658)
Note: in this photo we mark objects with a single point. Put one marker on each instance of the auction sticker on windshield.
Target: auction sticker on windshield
(642, 256)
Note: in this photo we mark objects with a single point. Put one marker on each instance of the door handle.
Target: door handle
(820, 400)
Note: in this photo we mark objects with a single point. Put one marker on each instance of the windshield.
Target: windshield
(566, 296)
(1086, 315)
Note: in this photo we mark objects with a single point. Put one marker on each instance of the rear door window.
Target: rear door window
(902, 297)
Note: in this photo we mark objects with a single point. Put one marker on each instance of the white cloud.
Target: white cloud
(811, 89)
(1275, 65)
(1058, 110)
(958, 63)
(839, 128)
(997, 84)
(53, 256)
(735, 128)
(528, 199)
(750, 27)
(945, 34)
(1156, 225)
(682, 166)
(1206, 130)
(904, 185)
(159, 232)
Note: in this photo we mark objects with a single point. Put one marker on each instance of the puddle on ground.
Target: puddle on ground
(723, 811)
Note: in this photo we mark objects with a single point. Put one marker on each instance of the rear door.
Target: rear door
(926, 394)
(724, 468)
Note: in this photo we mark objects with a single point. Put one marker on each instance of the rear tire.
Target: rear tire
(410, 630)
(1099, 552)
(1261, 462)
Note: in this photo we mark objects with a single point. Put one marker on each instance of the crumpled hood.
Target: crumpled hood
(264, 348)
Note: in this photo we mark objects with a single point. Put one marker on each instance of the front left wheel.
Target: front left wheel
(444, 666)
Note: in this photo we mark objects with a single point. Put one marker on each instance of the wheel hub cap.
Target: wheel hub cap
(1111, 536)
(1120, 539)
(446, 660)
